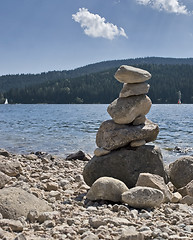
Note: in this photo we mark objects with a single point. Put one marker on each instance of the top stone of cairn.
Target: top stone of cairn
(128, 74)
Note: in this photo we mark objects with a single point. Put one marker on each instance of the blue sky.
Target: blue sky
(44, 35)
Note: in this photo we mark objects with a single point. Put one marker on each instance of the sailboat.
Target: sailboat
(6, 101)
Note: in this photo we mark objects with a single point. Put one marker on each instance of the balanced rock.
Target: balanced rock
(125, 165)
(107, 188)
(126, 110)
(129, 74)
(143, 197)
(15, 202)
(181, 171)
(154, 181)
(112, 135)
(133, 89)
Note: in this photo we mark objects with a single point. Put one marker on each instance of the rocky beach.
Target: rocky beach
(44, 197)
(124, 192)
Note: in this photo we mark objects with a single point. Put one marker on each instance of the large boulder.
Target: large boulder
(15, 202)
(125, 165)
(133, 89)
(129, 74)
(181, 171)
(154, 181)
(112, 135)
(143, 197)
(107, 188)
(126, 110)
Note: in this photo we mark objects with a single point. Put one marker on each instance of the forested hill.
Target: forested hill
(19, 81)
(95, 83)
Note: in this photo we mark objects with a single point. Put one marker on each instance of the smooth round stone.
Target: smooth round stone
(129, 74)
(107, 188)
(143, 197)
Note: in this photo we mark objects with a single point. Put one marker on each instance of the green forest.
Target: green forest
(95, 83)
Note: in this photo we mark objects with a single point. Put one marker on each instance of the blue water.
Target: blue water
(61, 129)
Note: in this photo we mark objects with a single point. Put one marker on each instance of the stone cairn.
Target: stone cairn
(121, 152)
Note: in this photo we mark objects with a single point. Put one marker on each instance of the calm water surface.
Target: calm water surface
(63, 129)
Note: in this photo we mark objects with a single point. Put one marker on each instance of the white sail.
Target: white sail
(6, 101)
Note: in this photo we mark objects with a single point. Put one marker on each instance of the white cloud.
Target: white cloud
(96, 26)
(171, 6)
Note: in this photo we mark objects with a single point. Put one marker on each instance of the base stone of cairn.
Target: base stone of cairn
(122, 153)
(126, 165)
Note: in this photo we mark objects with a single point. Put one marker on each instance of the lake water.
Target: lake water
(61, 129)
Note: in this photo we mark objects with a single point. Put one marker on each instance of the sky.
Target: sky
(46, 35)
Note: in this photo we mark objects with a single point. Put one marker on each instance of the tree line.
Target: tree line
(101, 87)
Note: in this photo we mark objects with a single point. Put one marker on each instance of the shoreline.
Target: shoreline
(59, 183)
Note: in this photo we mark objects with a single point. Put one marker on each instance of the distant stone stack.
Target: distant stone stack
(121, 152)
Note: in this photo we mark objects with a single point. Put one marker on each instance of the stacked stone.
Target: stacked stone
(121, 151)
(129, 125)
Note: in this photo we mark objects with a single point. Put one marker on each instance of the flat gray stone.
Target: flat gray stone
(137, 143)
(11, 168)
(154, 181)
(100, 152)
(129, 74)
(130, 233)
(111, 135)
(125, 165)
(14, 225)
(134, 89)
(143, 197)
(15, 202)
(126, 110)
